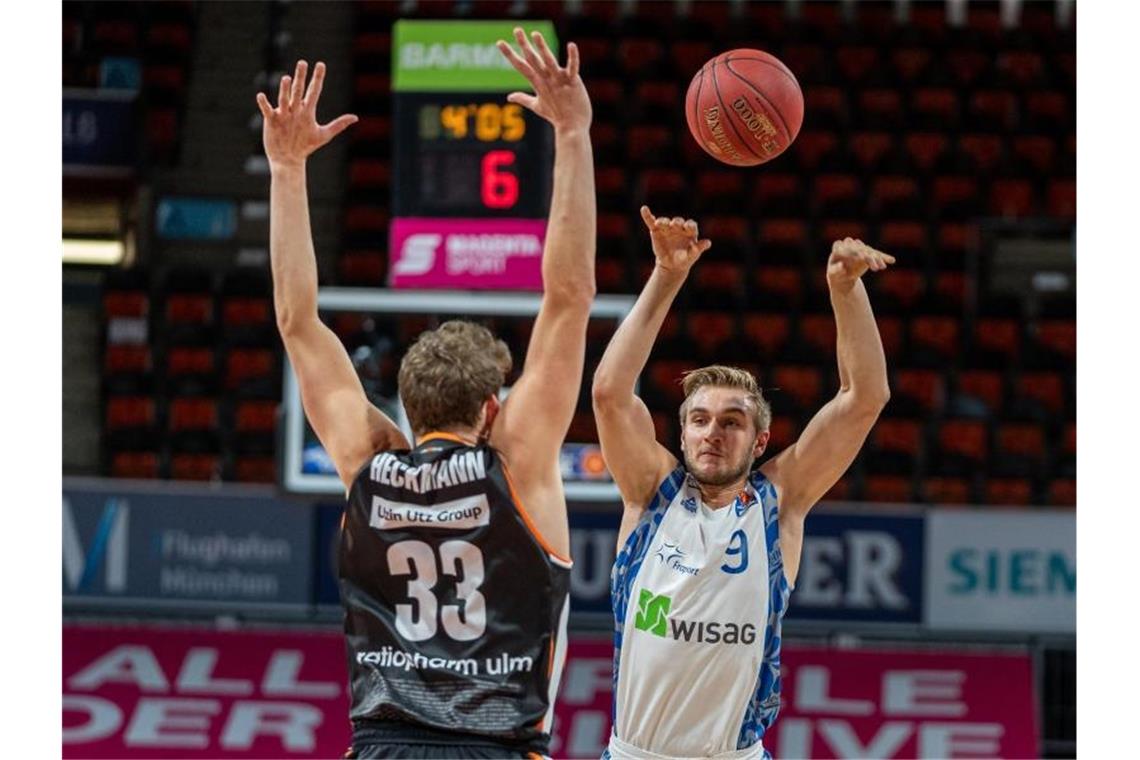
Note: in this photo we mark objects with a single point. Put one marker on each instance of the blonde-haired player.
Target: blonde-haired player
(709, 548)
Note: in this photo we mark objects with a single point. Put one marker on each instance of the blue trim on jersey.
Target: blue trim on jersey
(629, 559)
(765, 703)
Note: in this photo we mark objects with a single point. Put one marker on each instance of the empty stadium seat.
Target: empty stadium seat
(946, 490)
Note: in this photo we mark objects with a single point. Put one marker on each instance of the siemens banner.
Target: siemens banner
(1002, 570)
(860, 567)
(185, 548)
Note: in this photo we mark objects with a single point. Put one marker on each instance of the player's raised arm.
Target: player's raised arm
(636, 460)
(531, 427)
(348, 425)
(806, 470)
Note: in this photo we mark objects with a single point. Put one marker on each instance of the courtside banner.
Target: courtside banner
(167, 692)
(860, 567)
(1002, 570)
(837, 704)
(459, 56)
(185, 549)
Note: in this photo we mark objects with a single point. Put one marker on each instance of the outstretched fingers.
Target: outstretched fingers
(283, 91)
(513, 58)
(316, 84)
(572, 59)
(338, 125)
(298, 92)
(544, 53)
(527, 51)
(523, 99)
(648, 217)
(264, 107)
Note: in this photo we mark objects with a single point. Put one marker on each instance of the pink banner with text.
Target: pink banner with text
(496, 254)
(166, 692)
(880, 704)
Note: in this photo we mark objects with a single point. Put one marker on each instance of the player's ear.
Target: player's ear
(761, 443)
(490, 411)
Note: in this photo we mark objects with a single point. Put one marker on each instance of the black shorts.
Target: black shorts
(402, 740)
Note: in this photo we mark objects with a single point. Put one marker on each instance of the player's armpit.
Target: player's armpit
(637, 462)
(807, 469)
(349, 427)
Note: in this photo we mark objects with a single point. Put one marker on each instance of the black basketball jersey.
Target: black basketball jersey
(455, 612)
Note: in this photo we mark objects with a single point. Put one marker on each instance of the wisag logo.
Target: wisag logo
(653, 617)
(652, 612)
(108, 548)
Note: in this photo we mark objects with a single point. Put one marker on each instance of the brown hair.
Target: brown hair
(728, 377)
(449, 372)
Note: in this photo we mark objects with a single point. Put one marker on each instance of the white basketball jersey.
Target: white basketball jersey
(698, 595)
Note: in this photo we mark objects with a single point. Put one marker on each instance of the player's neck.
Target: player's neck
(464, 435)
(716, 497)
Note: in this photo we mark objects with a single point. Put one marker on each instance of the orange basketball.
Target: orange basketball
(744, 107)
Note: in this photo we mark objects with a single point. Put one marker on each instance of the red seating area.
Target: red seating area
(192, 376)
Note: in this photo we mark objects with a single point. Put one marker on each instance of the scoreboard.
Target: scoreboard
(468, 157)
(472, 173)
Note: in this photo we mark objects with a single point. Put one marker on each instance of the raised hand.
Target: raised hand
(290, 131)
(560, 96)
(676, 245)
(851, 258)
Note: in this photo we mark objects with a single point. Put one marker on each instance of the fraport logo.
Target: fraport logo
(670, 555)
(653, 617)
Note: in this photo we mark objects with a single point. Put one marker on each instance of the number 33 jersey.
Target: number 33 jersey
(455, 609)
(698, 596)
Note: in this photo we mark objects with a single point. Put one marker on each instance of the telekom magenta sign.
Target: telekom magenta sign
(467, 253)
(132, 692)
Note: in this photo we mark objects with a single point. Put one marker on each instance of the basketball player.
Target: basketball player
(709, 547)
(454, 557)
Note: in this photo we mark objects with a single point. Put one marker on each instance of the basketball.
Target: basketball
(744, 107)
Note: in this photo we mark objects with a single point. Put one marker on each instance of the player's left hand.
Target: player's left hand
(559, 95)
(850, 259)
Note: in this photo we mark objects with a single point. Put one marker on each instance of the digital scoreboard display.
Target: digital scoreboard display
(472, 172)
(465, 156)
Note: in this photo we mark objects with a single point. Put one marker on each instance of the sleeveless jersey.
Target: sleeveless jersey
(455, 612)
(698, 595)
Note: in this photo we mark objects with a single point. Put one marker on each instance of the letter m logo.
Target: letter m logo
(652, 612)
(108, 549)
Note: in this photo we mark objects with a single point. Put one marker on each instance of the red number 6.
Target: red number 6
(500, 187)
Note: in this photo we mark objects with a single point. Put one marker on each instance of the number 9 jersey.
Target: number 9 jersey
(455, 609)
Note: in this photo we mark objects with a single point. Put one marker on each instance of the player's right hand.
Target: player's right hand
(290, 131)
(676, 244)
(559, 95)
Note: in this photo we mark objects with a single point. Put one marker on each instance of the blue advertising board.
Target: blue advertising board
(186, 218)
(185, 549)
(99, 130)
(860, 567)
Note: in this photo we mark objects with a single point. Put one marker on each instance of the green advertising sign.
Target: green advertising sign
(459, 56)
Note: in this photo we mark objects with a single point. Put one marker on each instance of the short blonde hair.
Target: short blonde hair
(449, 372)
(721, 376)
